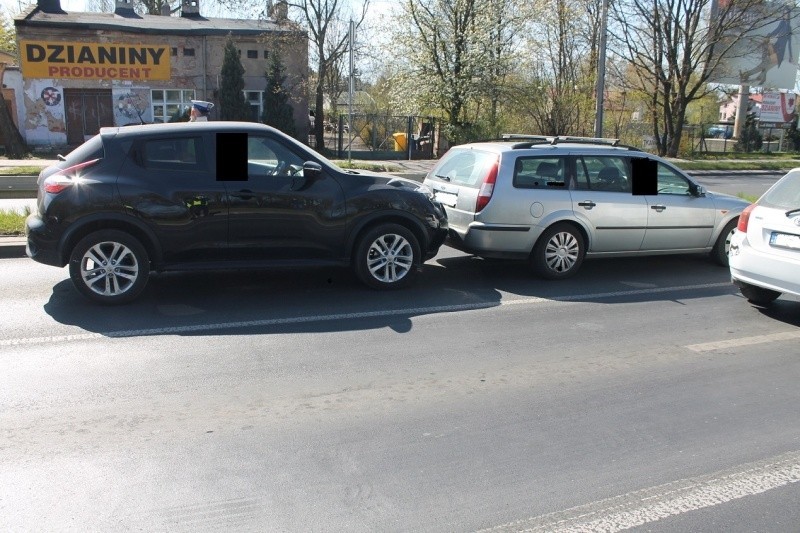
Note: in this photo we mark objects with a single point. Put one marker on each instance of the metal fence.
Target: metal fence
(381, 137)
(718, 139)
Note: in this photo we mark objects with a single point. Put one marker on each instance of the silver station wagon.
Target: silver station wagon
(555, 200)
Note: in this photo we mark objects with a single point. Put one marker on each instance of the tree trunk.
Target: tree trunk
(15, 144)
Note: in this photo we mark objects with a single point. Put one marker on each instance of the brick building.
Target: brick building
(82, 71)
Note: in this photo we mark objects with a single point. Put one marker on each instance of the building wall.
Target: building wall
(44, 116)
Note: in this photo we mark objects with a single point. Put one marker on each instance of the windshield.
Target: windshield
(464, 167)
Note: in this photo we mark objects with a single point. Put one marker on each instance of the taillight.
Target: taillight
(58, 182)
(487, 187)
(744, 218)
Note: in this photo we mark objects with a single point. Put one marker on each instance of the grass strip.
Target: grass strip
(13, 222)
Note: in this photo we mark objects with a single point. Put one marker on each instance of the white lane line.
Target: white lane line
(744, 341)
(178, 330)
(656, 503)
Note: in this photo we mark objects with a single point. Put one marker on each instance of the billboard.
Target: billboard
(766, 54)
(777, 107)
(53, 59)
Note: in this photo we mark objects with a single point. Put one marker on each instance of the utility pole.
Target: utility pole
(601, 71)
(350, 98)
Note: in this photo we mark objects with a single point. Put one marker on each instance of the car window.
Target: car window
(268, 157)
(91, 149)
(464, 167)
(539, 172)
(785, 194)
(670, 182)
(179, 153)
(603, 173)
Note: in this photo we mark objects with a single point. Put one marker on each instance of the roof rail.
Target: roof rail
(556, 139)
(587, 140)
(524, 137)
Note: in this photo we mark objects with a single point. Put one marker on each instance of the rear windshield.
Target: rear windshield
(464, 167)
(91, 149)
(785, 194)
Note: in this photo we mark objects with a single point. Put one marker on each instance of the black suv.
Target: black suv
(222, 195)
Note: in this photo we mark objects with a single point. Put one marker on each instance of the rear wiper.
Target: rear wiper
(792, 212)
(445, 178)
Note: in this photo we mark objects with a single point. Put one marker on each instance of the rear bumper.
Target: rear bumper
(762, 269)
(42, 245)
(491, 240)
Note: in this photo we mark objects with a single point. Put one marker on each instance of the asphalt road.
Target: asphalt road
(643, 393)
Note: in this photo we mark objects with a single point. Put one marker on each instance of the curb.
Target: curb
(12, 247)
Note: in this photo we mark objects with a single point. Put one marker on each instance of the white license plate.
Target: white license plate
(446, 198)
(784, 240)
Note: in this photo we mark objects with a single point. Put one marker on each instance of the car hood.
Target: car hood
(727, 201)
(391, 181)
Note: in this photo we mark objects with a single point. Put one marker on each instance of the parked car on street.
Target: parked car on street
(222, 195)
(765, 250)
(554, 200)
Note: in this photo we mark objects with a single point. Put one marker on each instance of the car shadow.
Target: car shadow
(332, 299)
(786, 310)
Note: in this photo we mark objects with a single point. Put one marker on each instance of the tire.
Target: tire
(719, 254)
(387, 257)
(559, 252)
(109, 267)
(757, 295)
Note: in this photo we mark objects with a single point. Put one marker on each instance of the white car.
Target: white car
(765, 249)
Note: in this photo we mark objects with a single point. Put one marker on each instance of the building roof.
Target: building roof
(150, 24)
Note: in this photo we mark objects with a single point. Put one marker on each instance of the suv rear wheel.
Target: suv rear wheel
(109, 267)
(386, 257)
(559, 252)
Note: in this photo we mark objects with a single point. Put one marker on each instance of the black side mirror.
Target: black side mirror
(696, 190)
(311, 172)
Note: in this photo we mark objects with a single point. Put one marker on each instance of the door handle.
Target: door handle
(658, 207)
(587, 205)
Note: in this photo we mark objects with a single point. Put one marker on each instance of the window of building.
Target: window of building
(170, 104)
(173, 51)
(188, 52)
(252, 54)
(256, 101)
(266, 54)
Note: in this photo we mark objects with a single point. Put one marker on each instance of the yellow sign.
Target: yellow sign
(106, 61)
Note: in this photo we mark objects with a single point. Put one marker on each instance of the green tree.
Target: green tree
(8, 35)
(233, 105)
(278, 113)
(677, 48)
(328, 41)
(750, 140)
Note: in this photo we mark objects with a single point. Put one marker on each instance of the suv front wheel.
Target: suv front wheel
(559, 252)
(386, 257)
(109, 267)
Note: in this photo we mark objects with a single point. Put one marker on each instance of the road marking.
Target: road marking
(656, 503)
(179, 330)
(744, 341)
